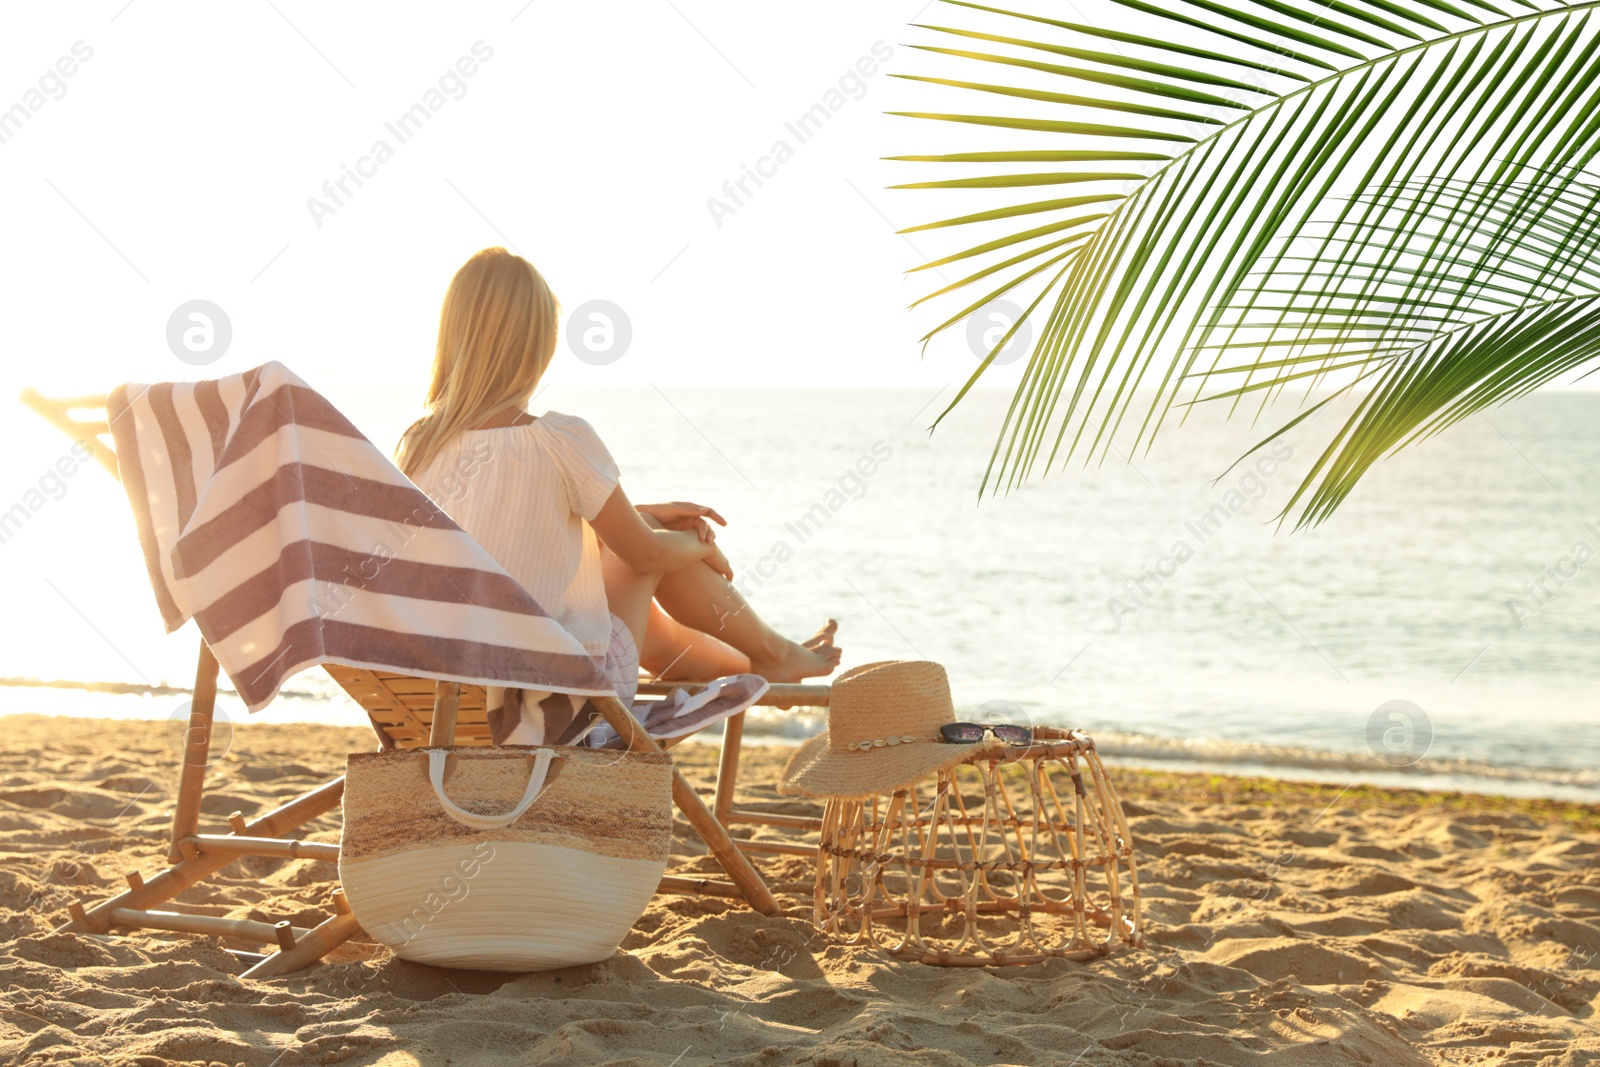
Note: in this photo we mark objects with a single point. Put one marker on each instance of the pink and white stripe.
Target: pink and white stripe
(293, 541)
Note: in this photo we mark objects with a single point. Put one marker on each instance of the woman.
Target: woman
(635, 585)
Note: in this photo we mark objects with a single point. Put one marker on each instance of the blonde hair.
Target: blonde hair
(497, 332)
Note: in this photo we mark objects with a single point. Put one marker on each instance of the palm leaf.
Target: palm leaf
(1515, 265)
(1449, 133)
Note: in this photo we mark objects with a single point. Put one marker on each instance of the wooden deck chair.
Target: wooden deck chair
(413, 711)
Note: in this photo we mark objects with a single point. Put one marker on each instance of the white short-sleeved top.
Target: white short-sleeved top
(526, 494)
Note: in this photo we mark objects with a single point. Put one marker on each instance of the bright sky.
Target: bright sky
(175, 152)
(177, 160)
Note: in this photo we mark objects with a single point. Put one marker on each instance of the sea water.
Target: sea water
(1438, 630)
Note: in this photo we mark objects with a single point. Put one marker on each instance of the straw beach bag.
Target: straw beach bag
(505, 859)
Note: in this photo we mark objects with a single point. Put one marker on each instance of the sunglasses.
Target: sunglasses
(970, 733)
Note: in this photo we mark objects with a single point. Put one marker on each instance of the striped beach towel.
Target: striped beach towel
(292, 541)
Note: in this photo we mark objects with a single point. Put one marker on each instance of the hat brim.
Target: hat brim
(814, 771)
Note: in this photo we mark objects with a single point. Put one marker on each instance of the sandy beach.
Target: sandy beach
(1305, 923)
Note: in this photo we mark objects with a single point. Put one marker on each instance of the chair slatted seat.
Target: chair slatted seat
(402, 706)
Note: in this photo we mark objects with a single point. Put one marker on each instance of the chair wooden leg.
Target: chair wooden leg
(700, 887)
(715, 835)
(446, 700)
(728, 768)
(206, 925)
(196, 753)
(321, 940)
(181, 876)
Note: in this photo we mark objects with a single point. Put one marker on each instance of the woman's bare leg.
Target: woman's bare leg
(629, 594)
(667, 648)
(700, 598)
(675, 652)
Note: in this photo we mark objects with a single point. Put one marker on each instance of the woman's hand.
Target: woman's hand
(718, 562)
(640, 540)
(682, 515)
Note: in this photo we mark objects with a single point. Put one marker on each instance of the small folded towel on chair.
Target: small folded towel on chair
(682, 713)
(517, 717)
(293, 541)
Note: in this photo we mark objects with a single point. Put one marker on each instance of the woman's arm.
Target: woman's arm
(647, 550)
(682, 515)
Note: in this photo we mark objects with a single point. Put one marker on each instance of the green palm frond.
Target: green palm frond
(1440, 299)
(1191, 158)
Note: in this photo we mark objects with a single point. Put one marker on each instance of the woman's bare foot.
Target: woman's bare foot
(822, 641)
(815, 657)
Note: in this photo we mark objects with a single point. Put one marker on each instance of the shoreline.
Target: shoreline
(1161, 755)
(1186, 785)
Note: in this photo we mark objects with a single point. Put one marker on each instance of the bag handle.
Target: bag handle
(541, 767)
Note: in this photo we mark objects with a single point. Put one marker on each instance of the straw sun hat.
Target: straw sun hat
(882, 733)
